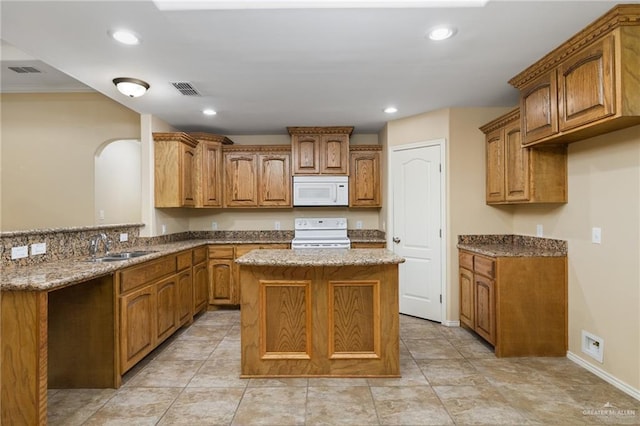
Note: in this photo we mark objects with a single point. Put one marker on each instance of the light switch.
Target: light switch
(539, 231)
(124, 237)
(596, 235)
(38, 248)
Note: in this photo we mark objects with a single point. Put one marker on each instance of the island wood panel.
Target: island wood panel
(24, 358)
(285, 323)
(356, 288)
(354, 319)
(82, 336)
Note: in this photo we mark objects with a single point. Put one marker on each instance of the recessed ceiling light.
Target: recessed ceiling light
(209, 111)
(125, 37)
(391, 110)
(441, 33)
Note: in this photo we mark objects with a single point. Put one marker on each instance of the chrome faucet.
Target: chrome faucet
(95, 240)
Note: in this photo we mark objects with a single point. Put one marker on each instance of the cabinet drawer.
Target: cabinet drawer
(199, 255)
(484, 266)
(184, 260)
(138, 275)
(246, 248)
(465, 260)
(220, 252)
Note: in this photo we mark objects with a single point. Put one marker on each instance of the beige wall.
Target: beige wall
(604, 279)
(466, 210)
(48, 146)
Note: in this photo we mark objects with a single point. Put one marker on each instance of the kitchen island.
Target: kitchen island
(319, 313)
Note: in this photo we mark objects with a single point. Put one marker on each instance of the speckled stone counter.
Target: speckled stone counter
(319, 257)
(512, 246)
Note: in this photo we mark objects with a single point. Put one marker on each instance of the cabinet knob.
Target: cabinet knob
(396, 240)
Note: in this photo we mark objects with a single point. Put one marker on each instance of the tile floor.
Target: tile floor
(448, 377)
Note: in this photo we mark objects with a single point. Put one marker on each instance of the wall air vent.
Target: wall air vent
(25, 70)
(185, 88)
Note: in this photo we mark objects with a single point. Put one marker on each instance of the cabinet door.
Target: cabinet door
(185, 297)
(364, 184)
(334, 154)
(221, 282)
(137, 326)
(516, 165)
(467, 306)
(187, 183)
(241, 180)
(485, 309)
(586, 85)
(210, 177)
(539, 108)
(306, 154)
(274, 180)
(495, 167)
(200, 287)
(166, 308)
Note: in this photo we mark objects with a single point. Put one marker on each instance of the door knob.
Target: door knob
(396, 240)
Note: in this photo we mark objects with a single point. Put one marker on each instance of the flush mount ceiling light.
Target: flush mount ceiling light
(209, 111)
(441, 33)
(131, 87)
(125, 37)
(391, 110)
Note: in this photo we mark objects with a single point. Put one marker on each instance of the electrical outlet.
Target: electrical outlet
(539, 230)
(358, 224)
(38, 248)
(277, 225)
(214, 226)
(124, 237)
(596, 235)
(164, 229)
(593, 346)
(101, 215)
(19, 252)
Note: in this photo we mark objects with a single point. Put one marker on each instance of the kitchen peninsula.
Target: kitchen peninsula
(319, 312)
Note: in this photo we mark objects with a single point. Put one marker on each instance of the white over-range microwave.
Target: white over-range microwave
(320, 190)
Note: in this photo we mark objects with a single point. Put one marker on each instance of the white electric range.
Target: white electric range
(328, 232)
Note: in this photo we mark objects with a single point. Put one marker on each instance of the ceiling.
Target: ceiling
(265, 69)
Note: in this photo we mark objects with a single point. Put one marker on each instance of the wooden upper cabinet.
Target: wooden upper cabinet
(274, 179)
(257, 176)
(588, 86)
(364, 182)
(174, 161)
(320, 150)
(495, 166)
(241, 179)
(188, 169)
(208, 169)
(539, 106)
(516, 174)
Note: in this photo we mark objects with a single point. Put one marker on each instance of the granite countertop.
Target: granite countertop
(512, 246)
(61, 273)
(319, 257)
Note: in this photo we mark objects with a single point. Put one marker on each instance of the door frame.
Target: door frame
(391, 150)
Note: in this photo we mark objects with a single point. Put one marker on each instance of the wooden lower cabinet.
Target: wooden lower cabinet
(137, 326)
(517, 304)
(224, 274)
(363, 245)
(155, 299)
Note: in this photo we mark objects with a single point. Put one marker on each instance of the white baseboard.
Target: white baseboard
(451, 323)
(624, 387)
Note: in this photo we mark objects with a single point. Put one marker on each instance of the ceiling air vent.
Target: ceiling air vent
(185, 88)
(25, 70)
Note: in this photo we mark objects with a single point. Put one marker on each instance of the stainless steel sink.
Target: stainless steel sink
(115, 257)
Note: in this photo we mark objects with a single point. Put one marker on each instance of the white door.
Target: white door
(416, 227)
